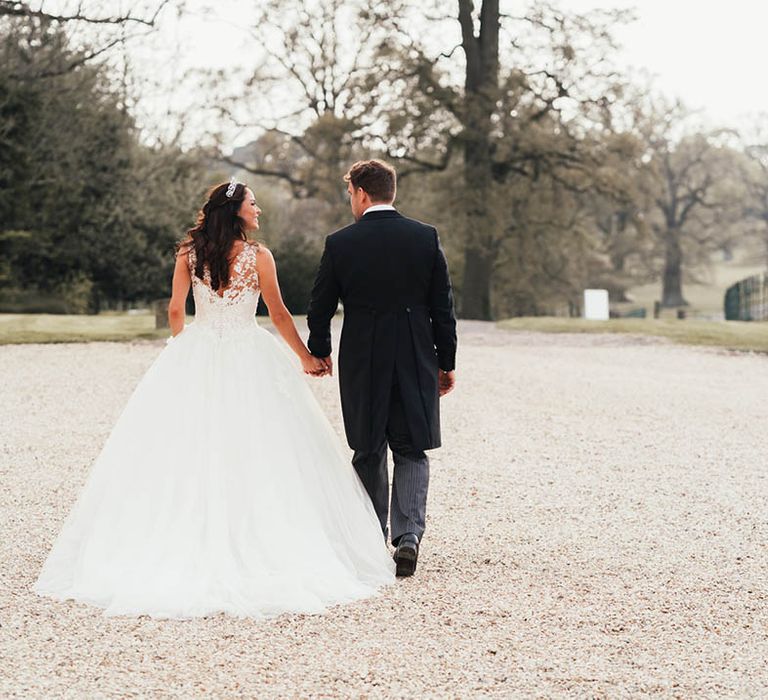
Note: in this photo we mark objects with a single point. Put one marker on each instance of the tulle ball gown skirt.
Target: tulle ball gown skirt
(222, 488)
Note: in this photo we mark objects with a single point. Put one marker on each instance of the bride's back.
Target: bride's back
(235, 304)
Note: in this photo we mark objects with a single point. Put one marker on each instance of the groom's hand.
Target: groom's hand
(313, 365)
(328, 362)
(446, 381)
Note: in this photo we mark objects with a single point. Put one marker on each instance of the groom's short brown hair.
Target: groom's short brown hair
(377, 178)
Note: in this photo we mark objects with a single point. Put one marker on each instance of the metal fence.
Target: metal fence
(747, 300)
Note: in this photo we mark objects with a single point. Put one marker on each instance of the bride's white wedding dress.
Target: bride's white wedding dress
(222, 487)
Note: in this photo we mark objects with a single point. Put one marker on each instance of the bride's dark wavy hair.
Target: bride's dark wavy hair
(218, 227)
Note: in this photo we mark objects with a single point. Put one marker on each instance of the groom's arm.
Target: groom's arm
(441, 310)
(322, 306)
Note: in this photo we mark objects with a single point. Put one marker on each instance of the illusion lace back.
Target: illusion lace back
(222, 486)
(232, 308)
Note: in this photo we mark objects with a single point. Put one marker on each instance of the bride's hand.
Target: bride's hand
(313, 365)
(446, 381)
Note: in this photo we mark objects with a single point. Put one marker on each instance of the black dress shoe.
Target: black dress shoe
(406, 554)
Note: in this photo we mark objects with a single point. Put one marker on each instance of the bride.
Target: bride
(222, 487)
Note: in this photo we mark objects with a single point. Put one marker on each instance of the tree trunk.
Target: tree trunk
(481, 89)
(476, 289)
(672, 283)
(765, 221)
(478, 258)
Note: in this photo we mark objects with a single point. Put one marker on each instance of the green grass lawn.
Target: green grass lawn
(702, 326)
(734, 335)
(76, 328)
(49, 328)
(704, 299)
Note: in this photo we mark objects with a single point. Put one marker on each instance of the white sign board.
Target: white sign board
(596, 304)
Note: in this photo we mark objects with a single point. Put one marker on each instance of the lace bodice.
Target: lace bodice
(234, 307)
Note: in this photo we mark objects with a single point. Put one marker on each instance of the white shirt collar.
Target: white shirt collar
(379, 207)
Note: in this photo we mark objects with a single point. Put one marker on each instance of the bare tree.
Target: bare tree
(756, 182)
(693, 190)
(505, 113)
(306, 103)
(18, 8)
(100, 31)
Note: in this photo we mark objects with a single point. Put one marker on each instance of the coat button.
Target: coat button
(408, 309)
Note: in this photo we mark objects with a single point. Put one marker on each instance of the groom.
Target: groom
(397, 351)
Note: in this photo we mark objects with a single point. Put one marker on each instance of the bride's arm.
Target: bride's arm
(281, 317)
(181, 282)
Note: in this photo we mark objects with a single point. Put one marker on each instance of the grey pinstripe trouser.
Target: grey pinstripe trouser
(410, 476)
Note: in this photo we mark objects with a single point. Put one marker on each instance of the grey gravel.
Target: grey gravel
(597, 527)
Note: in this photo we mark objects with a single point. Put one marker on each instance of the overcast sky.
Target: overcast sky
(712, 55)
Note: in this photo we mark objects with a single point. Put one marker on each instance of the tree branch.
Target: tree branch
(299, 187)
(16, 8)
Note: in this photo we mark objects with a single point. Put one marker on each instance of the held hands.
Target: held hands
(446, 381)
(317, 366)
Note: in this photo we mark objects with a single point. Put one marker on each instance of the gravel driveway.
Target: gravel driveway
(597, 526)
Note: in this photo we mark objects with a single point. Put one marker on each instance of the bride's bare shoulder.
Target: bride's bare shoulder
(184, 247)
(261, 250)
(264, 260)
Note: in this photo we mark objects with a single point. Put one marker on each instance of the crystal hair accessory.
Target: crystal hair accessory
(232, 187)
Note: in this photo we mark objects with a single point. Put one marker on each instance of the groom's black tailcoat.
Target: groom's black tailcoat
(391, 275)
